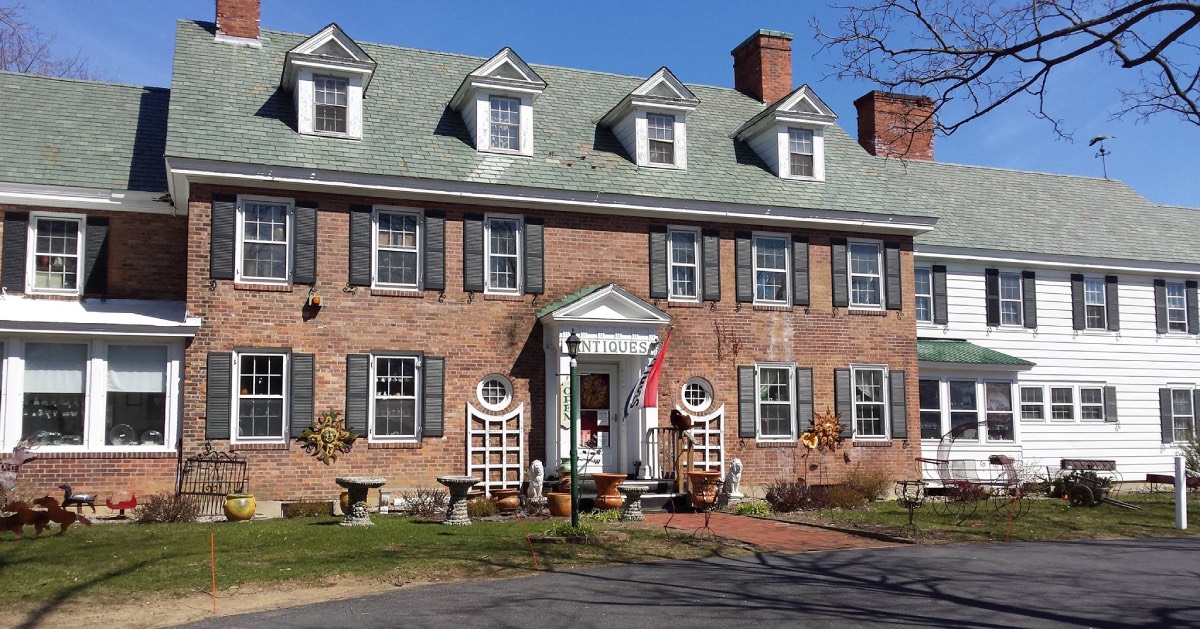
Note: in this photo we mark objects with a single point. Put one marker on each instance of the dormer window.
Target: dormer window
(651, 121)
(789, 135)
(328, 76)
(496, 103)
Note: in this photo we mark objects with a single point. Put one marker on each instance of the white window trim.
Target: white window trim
(785, 152)
(642, 131)
(887, 415)
(1050, 403)
(941, 408)
(980, 387)
(708, 391)
(305, 101)
(1079, 396)
(31, 253)
(323, 75)
(420, 228)
(699, 265)
(95, 392)
(1020, 300)
(487, 255)
(508, 392)
(787, 268)
(418, 384)
(483, 122)
(791, 371)
(235, 406)
(1044, 403)
(932, 299)
(1191, 419)
(1103, 304)
(1014, 410)
(878, 244)
(239, 236)
(1184, 309)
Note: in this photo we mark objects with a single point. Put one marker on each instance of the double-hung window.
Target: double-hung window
(1033, 403)
(924, 294)
(866, 275)
(771, 270)
(396, 399)
(801, 155)
(264, 234)
(505, 134)
(397, 249)
(1181, 414)
(931, 408)
(776, 401)
(261, 394)
(870, 402)
(683, 259)
(330, 103)
(57, 255)
(1062, 404)
(999, 411)
(1091, 403)
(964, 409)
(660, 135)
(1176, 307)
(1010, 299)
(1093, 299)
(503, 255)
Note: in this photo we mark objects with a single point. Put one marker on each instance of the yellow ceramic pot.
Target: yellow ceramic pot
(239, 507)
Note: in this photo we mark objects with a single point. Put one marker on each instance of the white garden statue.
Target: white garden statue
(733, 483)
(537, 474)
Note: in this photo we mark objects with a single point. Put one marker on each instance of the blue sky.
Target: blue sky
(132, 41)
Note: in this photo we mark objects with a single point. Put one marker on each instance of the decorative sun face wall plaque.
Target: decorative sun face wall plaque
(327, 437)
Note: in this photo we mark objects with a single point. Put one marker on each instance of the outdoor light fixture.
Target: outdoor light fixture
(573, 352)
(573, 345)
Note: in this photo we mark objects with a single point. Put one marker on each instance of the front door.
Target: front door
(599, 433)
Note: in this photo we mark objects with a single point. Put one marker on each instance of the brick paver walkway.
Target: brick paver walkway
(784, 537)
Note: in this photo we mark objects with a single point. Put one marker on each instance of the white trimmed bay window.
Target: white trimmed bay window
(967, 407)
(264, 234)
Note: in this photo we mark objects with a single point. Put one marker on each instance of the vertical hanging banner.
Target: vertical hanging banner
(645, 394)
(564, 394)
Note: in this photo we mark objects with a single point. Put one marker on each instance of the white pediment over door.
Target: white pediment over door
(610, 305)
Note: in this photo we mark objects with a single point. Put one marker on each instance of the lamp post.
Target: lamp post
(573, 352)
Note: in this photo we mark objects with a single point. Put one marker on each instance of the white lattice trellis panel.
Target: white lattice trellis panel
(710, 440)
(496, 448)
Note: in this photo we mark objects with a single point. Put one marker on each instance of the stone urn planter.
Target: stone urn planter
(239, 507)
(559, 504)
(507, 500)
(606, 490)
(357, 487)
(702, 487)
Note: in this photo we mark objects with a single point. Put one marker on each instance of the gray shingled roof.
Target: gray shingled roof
(82, 133)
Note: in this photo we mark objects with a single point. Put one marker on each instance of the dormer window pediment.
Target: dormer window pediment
(789, 135)
(651, 121)
(327, 75)
(496, 102)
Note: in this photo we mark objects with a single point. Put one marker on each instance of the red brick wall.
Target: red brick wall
(480, 336)
(100, 473)
(238, 18)
(762, 67)
(144, 252)
(896, 125)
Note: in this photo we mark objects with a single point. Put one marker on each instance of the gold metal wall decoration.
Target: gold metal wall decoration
(327, 437)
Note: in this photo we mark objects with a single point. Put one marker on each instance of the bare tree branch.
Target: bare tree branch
(988, 53)
(24, 48)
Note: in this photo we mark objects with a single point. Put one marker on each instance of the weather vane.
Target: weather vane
(1102, 153)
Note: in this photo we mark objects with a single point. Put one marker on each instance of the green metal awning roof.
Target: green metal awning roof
(962, 352)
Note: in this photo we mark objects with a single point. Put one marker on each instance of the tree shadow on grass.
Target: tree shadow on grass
(34, 618)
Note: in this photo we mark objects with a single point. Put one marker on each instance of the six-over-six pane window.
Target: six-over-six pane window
(866, 275)
(776, 400)
(870, 410)
(329, 100)
(660, 133)
(396, 398)
(260, 396)
(770, 269)
(503, 254)
(505, 132)
(265, 229)
(684, 263)
(397, 249)
(57, 254)
(800, 153)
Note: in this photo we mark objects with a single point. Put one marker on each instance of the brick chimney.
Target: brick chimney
(237, 19)
(896, 125)
(762, 66)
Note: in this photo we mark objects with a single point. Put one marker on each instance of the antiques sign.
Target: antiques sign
(612, 346)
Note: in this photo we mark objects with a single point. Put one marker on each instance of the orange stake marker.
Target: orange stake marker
(212, 554)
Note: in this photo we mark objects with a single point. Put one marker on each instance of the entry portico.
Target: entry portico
(617, 332)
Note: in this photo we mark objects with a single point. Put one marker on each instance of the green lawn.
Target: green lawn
(127, 559)
(1048, 519)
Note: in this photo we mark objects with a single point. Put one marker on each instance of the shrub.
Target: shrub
(314, 509)
(755, 508)
(481, 508)
(836, 497)
(563, 528)
(425, 502)
(608, 515)
(1190, 450)
(166, 507)
(871, 481)
(786, 496)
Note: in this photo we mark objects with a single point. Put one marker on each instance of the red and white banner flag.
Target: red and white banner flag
(645, 394)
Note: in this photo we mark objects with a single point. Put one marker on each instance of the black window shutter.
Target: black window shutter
(1160, 306)
(894, 296)
(360, 245)
(941, 310)
(95, 256)
(434, 252)
(841, 283)
(1078, 320)
(743, 253)
(1195, 411)
(898, 404)
(473, 253)
(218, 395)
(658, 262)
(991, 290)
(535, 255)
(358, 392)
(12, 265)
(804, 398)
(1193, 316)
(1166, 421)
(300, 406)
(433, 424)
(222, 244)
(843, 401)
(1029, 298)
(710, 251)
(1111, 302)
(747, 403)
(800, 271)
(304, 249)
(1110, 404)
